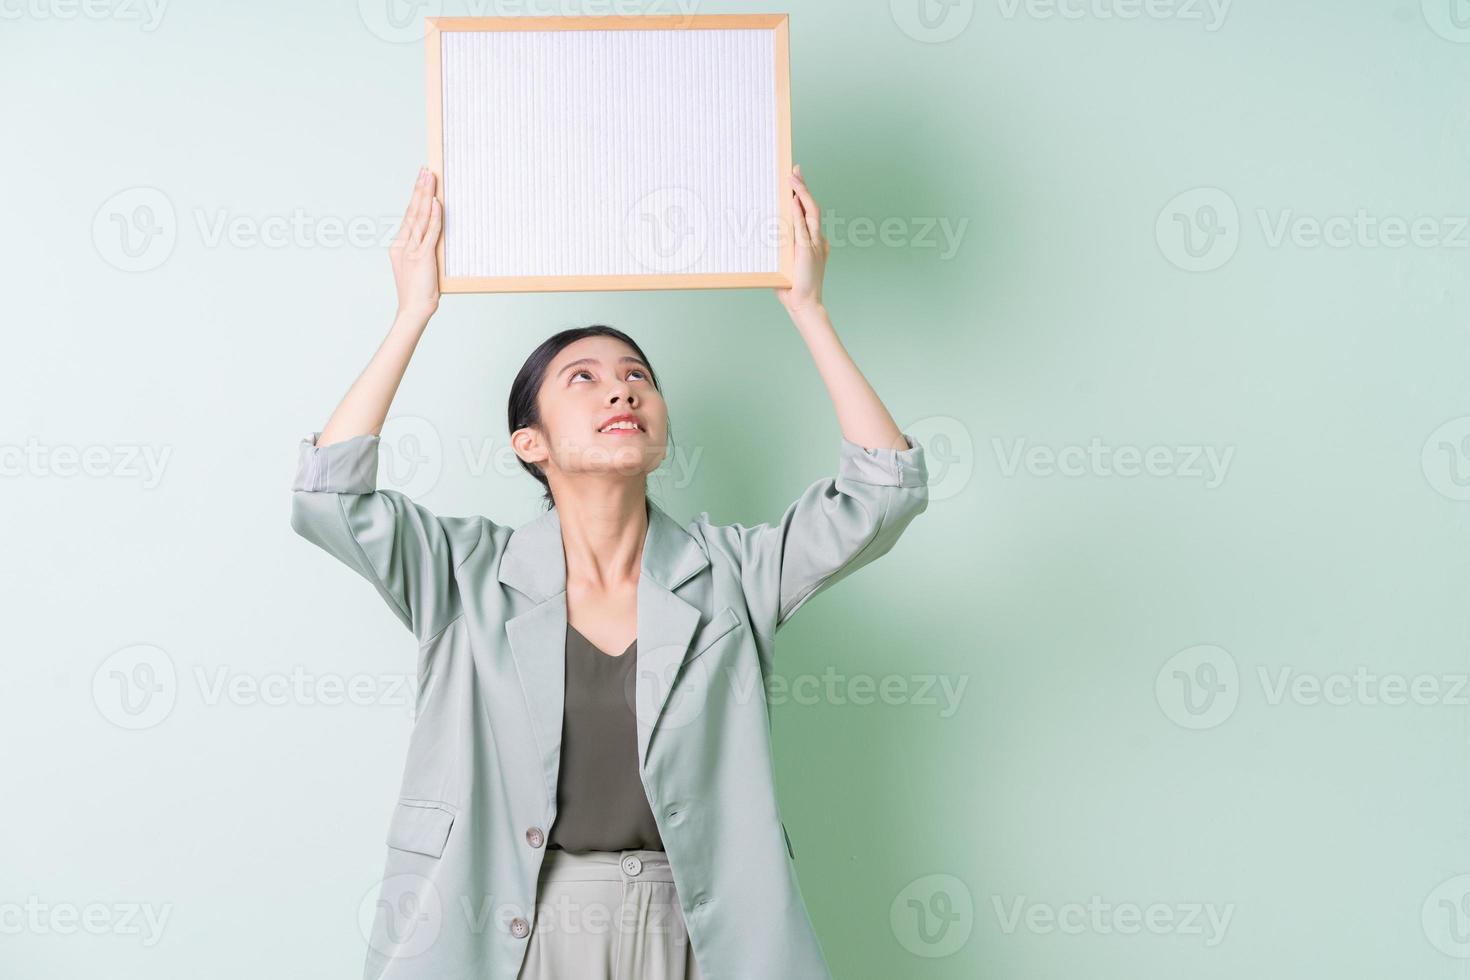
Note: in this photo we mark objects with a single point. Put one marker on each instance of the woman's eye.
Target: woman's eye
(642, 375)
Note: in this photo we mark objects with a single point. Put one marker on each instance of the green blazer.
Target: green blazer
(487, 605)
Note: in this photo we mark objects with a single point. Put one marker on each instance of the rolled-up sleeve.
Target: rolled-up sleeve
(406, 552)
(835, 527)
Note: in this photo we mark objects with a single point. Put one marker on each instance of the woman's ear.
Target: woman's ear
(527, 444)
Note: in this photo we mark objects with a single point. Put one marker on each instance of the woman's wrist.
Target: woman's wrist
(413, 316)
(809, 314)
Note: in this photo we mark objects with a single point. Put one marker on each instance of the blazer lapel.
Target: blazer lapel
(534, 564)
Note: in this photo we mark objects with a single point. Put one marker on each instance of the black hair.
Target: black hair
(523, 410)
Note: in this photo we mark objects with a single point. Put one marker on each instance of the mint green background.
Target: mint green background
(1056, 600)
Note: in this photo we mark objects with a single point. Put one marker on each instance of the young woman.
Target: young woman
(589, 791)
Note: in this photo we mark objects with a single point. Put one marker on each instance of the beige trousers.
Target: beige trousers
(608, 915)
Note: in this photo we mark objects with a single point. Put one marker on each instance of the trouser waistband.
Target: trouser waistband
(636, 864)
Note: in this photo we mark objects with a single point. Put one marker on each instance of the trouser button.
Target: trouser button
(631, 865)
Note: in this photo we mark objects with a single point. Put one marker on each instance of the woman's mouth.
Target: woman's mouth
(622, 427)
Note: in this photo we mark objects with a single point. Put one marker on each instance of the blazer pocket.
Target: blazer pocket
(722, 622)
(421, 826)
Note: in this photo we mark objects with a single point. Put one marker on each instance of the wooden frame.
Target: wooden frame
(777, 24)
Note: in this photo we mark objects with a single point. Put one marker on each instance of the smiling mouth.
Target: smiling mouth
(622, 429)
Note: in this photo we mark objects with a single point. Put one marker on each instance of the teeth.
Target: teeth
(620, 425)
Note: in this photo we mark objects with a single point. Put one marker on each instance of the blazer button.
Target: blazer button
(535, 837)
(632, 865)
(519, 927)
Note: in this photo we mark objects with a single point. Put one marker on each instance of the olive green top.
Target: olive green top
(600, 801)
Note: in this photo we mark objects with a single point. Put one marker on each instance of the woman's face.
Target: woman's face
(591, 382)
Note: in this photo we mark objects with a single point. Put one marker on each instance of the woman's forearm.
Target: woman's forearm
(364, 408)
(861, 414)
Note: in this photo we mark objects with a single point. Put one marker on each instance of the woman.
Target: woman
(589, 790)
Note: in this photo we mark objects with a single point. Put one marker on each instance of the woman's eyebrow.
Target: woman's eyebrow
(625, 359)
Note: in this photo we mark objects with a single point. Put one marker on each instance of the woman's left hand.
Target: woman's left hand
(811, 248)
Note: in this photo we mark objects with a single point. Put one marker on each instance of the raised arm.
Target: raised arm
(364, 408)
(408, 553)
(839, 524)
(861, 414)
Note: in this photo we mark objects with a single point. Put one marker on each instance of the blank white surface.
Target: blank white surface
(609, 152)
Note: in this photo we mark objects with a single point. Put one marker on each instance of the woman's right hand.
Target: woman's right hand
(414, 252)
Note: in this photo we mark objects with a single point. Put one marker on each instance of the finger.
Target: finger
(805, 191)
(401, 235)
(410, 214)
(801, 230)
(421, 214)
(810, 208)
(436, 221)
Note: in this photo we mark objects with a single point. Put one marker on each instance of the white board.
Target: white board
(588, 153)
